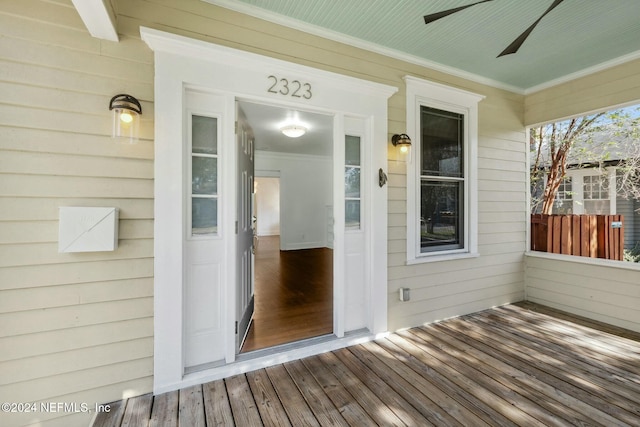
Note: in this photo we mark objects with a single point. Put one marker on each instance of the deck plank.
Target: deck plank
(113, 418)
(403, 409)
(191, 409)
(269, 405)
(558, 315)
(425, 390)
(292, 400)
(322, 407)
(165, 410)
(558, 373)
(593, 344)
(410, 356)
(243, 405)
(368, 399)
(351, 411)
(580, 360)
(138, 411)
(217, 408)
(414, 396)
(429, 356)
(526, 400)
(564, 405)
(514, 365)
(603, 395)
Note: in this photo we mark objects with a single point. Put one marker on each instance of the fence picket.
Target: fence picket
(585, 235)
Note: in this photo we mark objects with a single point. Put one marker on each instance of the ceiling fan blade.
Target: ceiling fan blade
(515, 45)
(435, 16)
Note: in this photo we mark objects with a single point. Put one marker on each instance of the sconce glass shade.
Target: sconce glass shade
(293, 131)
(403, 143)
(126, 111)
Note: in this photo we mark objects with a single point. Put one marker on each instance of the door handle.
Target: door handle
(255, 242)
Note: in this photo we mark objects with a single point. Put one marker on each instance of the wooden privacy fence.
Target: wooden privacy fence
(595, 236)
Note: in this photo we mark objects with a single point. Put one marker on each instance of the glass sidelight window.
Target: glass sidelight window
(352, 189)
(204, 175)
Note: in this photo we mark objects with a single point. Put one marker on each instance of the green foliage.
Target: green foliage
(594, 141)
(633, 254)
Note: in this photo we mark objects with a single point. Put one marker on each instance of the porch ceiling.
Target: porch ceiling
(575, 38)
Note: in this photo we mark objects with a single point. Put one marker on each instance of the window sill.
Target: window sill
(442, 257)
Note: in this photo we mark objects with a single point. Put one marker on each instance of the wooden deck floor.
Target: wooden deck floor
(501, 367)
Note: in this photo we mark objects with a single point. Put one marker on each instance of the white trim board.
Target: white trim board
(293, 352)
(227, 75)
(98, 17)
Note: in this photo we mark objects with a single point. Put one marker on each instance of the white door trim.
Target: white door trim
(182, 62)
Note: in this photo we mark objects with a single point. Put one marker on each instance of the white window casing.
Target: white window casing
(577, 188)
(425, 93)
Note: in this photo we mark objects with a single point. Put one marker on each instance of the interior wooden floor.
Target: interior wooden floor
(507, 366)
(293, 295)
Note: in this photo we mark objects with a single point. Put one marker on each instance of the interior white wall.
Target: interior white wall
(305, 193)
(268, 205)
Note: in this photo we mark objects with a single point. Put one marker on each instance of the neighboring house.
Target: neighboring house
(587, 186)
(160, 312)
(587, 191)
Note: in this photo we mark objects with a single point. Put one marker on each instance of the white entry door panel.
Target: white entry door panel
(203, 317)
(356, 169)
(245, 228)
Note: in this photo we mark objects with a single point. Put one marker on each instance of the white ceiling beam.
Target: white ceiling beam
(99, 18)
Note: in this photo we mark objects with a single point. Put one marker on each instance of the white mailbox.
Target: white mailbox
(88, 229)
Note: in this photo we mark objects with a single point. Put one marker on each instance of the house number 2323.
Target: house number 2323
(293, 88)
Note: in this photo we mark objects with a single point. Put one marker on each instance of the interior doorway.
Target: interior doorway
(293, 191)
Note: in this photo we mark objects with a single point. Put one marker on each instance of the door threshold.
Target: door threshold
(281, 348)
(259, 359)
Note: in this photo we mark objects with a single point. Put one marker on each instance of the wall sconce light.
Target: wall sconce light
(403, 143)
(126, 117)
(293, 131)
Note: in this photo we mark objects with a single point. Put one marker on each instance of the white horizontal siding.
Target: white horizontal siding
(502, 148)
(65, 340)
(450, 288)
(17, 300)
(602, 290)
(73, 327)
(596, 92)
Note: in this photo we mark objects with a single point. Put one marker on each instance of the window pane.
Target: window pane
(441, 215)
(204, 175)
(352, 150)
(596, 187)
(442, 141)
(204, 138)
(204, 216)
(352, 213)
(564, 190)
(596, 207)
(563, 207)
(352, 182)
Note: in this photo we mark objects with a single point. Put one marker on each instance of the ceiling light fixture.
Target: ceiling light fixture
(293, 131)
